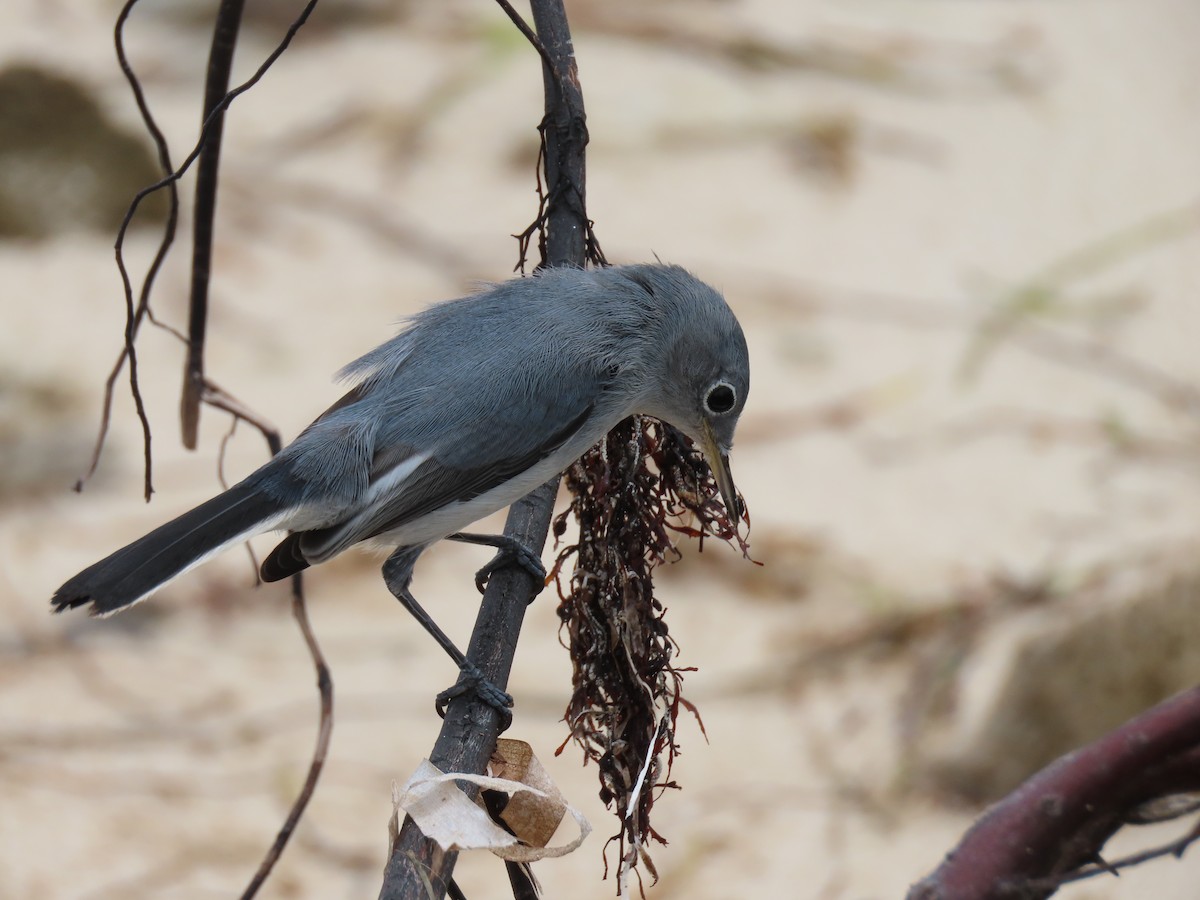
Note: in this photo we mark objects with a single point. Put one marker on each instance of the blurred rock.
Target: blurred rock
(44, 439)
(64, 165)
(1057, 677)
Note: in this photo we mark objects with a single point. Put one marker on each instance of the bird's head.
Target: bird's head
(700, 377)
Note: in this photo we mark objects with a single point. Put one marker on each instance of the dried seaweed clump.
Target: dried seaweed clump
(632, 494)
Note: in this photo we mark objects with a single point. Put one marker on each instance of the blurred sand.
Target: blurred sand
(865, 212)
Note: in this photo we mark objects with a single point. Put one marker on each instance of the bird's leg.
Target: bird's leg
(397, 574)
(512, 552)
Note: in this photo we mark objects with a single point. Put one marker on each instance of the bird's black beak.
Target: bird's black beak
(718, 461)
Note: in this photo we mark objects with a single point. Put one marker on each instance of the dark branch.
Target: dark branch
(320, 751)
(418, 867)
(216, 86)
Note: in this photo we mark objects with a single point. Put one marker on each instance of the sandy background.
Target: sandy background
(963, 240)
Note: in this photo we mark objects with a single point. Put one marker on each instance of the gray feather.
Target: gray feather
(134, 571)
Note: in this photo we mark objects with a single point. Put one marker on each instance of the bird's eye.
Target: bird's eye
(720, 399)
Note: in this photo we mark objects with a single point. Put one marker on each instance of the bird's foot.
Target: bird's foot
(471, 680)
(510, 552)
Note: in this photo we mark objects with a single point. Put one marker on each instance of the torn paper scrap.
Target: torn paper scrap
(446, 814)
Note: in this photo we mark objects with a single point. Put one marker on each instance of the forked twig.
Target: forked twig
(134, 314)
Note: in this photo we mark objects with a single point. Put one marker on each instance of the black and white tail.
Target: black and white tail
(138, 570)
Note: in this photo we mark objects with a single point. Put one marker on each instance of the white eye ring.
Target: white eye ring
(720, 398)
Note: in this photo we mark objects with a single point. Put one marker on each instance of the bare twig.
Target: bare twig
(531, 36)
(216, 86)
(220, 399)
(320, 751)
(135, 314)
(1174, 848)
(133, 317)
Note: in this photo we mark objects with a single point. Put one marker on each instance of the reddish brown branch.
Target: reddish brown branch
(1059, 820)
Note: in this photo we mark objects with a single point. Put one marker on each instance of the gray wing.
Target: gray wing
(450, 440)
(432, 485)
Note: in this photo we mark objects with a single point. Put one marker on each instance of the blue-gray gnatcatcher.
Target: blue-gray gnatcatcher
(474, 404)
